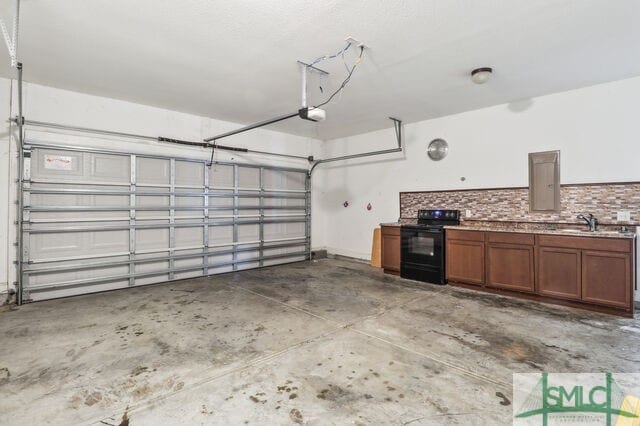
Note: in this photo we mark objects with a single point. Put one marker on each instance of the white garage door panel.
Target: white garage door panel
(76, 291)
(285, 180)
(221, 270)
(284, 230)
(48, 163)
(98, 220)
(58, 200)
(249, 178)
(184, 263)
(249, 202)
(221, 176)
(46, 246)
(107, 200)
(283, 202)
(152, 207)
(188, 201)
(280, 262)
(220, 259)
(151, 239)
(189, 173)
(113, 168)
(220, 235)
(189, 206)
(185, 275)
(188, 237)
(153, 171)
(106, 242)
(148, 267)
(220, 206)
(63, 277)
(248, 233)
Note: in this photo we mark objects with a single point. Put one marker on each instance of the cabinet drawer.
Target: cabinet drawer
(623, 245)
(510, 238)
(391, 230)
(455, 234)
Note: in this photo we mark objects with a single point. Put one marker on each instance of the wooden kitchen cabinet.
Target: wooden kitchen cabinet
(596, 271)
(589, 272)
(510, 261)
(560, 272)
(465, 257)
(510, 266)
(606, 278)
(391, 249)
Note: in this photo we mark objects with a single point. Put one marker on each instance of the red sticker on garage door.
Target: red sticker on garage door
(58, 162)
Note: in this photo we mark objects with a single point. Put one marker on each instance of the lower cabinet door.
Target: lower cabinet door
(391, 253)
(465, 261)
(606, 278)
(559, 272)
(510, 267)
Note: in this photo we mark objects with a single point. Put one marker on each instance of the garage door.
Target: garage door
(100, 220)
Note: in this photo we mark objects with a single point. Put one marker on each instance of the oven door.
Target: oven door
(422, 247)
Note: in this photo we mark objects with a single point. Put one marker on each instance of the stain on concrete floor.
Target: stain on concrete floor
(329, 341)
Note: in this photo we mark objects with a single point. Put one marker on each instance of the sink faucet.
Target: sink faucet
(591, 221)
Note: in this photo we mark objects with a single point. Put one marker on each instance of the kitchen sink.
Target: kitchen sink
(586, 231)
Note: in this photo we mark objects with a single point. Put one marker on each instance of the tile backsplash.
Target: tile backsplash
(604, 200)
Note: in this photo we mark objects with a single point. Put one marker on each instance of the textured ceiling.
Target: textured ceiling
(236, 60)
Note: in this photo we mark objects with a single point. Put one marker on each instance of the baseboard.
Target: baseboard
(348, 259)
(366, 257)
(326, 253)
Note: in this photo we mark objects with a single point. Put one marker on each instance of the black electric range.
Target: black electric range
(423, 248)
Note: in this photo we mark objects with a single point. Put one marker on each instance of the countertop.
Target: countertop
(567, 232)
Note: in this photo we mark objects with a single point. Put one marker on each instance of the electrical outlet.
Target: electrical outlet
(467, 213)
(624, 216)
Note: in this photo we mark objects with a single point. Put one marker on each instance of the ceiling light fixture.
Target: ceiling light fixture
(481, 75)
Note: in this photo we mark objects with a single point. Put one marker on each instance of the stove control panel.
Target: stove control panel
(439, 215)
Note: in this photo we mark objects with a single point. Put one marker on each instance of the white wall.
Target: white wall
(597, 130)
(54, 105)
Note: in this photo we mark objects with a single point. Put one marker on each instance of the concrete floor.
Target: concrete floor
(326, 342)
